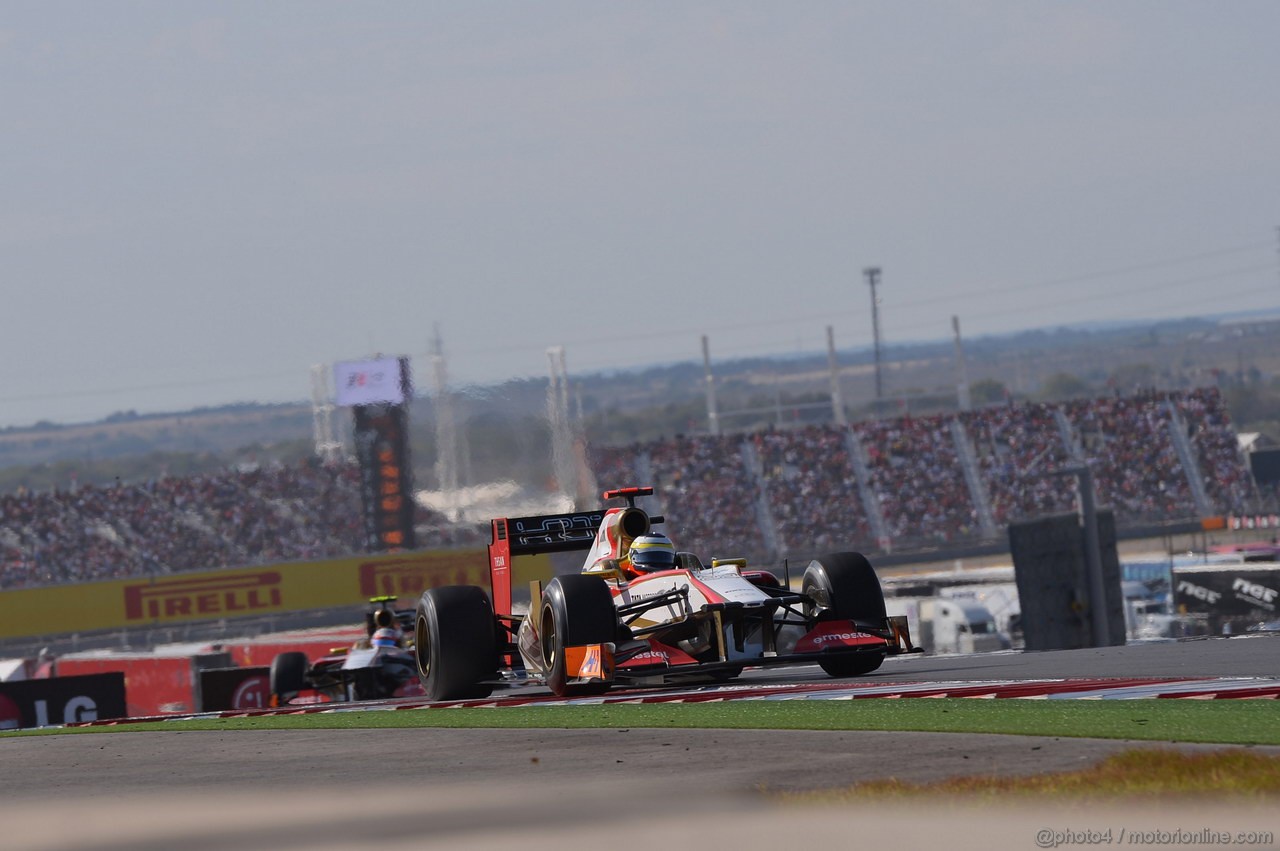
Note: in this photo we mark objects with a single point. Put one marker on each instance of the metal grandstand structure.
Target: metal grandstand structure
(328, 443)
(446, 427)
(716, 416)
(573, 475)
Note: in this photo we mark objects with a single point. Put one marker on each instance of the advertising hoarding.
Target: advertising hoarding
(239, 592)
(61, 700)
(371, 382)
(386, 479)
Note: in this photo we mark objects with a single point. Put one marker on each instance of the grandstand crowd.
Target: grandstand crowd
(888, 484)
(1156, 458)
(234, 518)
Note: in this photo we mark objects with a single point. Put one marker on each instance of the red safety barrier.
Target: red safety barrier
(154, 685)
(249, 653)
(167, 684)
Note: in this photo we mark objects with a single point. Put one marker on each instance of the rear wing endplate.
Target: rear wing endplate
(542, 533)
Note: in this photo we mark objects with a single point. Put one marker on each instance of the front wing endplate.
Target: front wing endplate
(589, 663)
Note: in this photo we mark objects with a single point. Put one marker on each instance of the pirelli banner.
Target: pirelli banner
(244, 592)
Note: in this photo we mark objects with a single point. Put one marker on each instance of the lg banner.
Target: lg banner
(61, 700)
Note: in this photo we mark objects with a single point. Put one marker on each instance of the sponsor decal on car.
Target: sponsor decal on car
(659, 654)
(589, 662)
(641, 597)
(410, 688)
(834, 634)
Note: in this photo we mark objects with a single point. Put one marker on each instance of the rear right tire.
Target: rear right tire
(455, 642)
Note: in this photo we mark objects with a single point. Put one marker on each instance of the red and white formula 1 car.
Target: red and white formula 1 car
(608, 624)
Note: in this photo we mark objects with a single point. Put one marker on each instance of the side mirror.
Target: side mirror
(688, 561)
(607, 568)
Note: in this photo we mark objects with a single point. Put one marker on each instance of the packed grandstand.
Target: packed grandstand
(901, 483)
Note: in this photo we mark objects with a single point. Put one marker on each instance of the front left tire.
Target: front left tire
(844, 586)
(576, 610)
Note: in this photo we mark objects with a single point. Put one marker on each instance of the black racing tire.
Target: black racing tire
(455, 642)
(727, 675)
(288, 675)
(844, 586)
(576, 609)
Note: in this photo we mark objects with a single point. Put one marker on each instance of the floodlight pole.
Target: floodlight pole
(446, 428)
(713, 411)
(962, 387)
(327, 448)
(873, 278)
(833, 366)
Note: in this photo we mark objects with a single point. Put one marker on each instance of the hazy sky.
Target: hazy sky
(199, 201)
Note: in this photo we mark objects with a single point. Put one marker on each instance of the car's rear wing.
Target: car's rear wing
(552, 533)
(539, 534)
(542, 533)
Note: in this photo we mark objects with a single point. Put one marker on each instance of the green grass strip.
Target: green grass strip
(1218, 721)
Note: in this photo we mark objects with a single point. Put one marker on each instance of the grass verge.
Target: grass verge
(1239, 722)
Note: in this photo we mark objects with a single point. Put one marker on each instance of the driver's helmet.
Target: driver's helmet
(385, 637)
(652, 551)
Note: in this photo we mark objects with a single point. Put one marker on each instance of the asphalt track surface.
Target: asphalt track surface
(620, 788)
(1243, 656)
